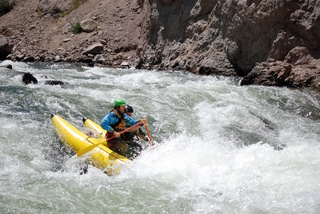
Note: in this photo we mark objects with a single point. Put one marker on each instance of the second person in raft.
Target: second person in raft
(115, 122)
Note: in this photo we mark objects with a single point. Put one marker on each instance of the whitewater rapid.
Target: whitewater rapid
(220, 147)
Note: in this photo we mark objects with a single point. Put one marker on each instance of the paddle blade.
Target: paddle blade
(89, 148)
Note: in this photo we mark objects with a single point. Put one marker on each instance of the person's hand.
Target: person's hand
(144, 121)
(146, 138)
(116, 134)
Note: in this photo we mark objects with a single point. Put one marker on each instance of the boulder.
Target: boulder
(94, 49)
(125, 64)
(28, 78)
(88, 25)
(54, 82)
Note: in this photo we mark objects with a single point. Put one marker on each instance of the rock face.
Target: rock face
(300, 68)
(267, 42)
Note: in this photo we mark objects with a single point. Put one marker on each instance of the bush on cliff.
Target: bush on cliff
(76, 28)
(6, 6)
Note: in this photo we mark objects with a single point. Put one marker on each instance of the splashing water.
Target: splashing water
(221, 148)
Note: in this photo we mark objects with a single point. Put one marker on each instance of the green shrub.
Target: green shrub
(76, 28)
(6, 6)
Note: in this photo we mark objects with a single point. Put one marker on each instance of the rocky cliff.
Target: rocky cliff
(268, 42)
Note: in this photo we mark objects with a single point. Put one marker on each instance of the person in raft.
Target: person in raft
(139, 133)
(115, 122)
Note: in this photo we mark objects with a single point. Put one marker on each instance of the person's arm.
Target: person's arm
(106, 123)
(129, 120)
(109, 119)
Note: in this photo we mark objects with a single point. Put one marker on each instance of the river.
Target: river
(220, 147)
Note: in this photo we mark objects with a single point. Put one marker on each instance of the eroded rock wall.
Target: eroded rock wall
(243, 37)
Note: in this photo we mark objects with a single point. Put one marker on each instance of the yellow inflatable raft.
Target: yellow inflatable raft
(101, 156)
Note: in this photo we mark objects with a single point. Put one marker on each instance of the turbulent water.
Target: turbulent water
(220, 147)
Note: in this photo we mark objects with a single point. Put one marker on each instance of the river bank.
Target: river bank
(267, 43)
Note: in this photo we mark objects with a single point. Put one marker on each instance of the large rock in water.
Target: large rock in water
(5, 48)
(28, 78)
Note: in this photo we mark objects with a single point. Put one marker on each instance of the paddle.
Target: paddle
(89, 148)
(145, 124)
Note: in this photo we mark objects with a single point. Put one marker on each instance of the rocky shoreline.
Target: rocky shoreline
(265, 42)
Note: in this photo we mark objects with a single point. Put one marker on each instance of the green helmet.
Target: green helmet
(119, 102)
